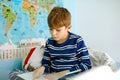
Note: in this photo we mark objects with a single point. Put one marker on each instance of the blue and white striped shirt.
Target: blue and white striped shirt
(71, 55)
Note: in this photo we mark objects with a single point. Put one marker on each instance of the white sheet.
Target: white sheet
(99, 73)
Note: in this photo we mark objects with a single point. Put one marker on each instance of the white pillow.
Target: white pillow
(99, 58)
(34, 57)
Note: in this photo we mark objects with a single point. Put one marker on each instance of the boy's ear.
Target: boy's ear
(69, 27)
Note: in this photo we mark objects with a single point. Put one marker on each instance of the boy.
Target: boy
(65, 52)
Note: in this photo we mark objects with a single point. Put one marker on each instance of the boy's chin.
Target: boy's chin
(56, 39)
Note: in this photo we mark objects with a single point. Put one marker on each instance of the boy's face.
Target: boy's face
(60, 34)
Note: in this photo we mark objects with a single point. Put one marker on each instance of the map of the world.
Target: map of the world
(24, 19)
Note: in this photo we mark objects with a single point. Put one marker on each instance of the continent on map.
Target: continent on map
(45, 4)
(10, 17)
(31, 10)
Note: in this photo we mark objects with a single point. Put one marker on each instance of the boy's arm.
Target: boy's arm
(51, 76)
(82, 56)
(46, 59)
(57, 75)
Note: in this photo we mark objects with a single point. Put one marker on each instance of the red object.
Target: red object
(28, 57)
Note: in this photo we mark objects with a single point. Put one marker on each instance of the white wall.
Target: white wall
(70, 5)
(98, 22)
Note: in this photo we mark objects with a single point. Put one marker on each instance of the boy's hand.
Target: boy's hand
(56, 76)
(38, 72)
(51, 76)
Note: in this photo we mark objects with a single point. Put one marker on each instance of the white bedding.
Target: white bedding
(99, 73)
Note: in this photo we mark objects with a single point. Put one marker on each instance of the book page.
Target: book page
(29, 76)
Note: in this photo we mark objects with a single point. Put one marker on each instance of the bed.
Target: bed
(15, 61)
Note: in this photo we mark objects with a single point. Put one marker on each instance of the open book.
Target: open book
(29, 76)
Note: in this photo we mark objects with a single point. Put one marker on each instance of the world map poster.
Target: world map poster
(24, 19)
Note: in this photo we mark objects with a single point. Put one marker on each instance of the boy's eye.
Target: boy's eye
(58, 30)
(55, 30)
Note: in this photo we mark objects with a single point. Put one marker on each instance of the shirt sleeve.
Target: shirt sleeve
(46, 59)
(82, 57)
